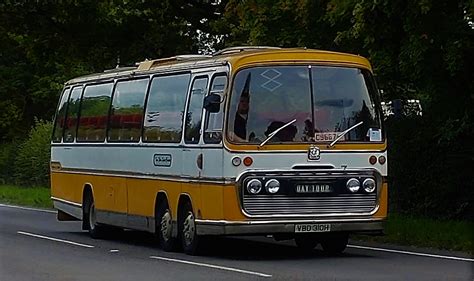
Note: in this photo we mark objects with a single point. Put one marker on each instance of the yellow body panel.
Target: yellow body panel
(305, 147)
(210, 201)
(383, 203)
(297, 56)
(137, 196)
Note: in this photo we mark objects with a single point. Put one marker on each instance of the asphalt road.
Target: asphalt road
(34, 246)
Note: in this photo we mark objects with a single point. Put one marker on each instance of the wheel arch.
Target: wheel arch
(183, 199)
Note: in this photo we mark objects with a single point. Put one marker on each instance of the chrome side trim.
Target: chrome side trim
(73, 209)
(125, 174)
(66, 202)
(296, 220)
(143, 223)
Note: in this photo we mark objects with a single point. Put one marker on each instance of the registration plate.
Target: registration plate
(315, 227)
(313, 188)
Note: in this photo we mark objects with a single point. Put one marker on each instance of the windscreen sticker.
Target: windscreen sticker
(271, 75)
(374, 134)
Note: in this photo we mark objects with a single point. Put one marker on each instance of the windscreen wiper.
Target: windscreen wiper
(276, 132)
(344, 133)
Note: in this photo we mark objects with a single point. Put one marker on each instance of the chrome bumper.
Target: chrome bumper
(220, 227)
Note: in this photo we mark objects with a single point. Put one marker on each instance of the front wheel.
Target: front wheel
(189, 238)
(335, 244)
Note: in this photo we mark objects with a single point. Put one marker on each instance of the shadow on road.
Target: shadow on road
(233, 248)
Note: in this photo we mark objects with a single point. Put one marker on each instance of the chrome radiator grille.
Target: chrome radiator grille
(317, 205)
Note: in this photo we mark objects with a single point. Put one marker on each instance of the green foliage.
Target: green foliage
(46, 43)
(32, 160)
(7, 158)
(425, 232)
(428, 177)
(26, 196)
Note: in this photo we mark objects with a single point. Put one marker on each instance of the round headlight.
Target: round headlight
(353, 185)
(369, 185)
(272, 186)
(254, 186)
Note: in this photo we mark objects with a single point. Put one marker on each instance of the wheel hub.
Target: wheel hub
(165, 226)
(189, 228)
(92, 216)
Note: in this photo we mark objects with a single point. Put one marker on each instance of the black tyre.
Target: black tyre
(189, 238)
(335, 244)
(96, 230)
(164, 227)
(306, 242)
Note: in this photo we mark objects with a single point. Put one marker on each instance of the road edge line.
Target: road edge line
(410, 253)
(27, 208)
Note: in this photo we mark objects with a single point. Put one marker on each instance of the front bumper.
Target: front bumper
(220, 227)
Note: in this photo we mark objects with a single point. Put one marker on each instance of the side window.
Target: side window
(193, 117)
(214, 121)
(165, 108)
(94, 112)
(60, 120)
(72, 114)
(125, 123)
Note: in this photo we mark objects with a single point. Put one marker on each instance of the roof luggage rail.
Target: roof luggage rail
(119, 69)
(239, 49)
(147, 64)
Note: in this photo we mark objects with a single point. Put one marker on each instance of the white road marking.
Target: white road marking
(114, 251)
(54, 239)
(410, 253)
(27, 208)
(213, 266)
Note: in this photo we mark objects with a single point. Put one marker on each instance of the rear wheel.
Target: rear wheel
(189, 238)
(164, 227)
(335, 244)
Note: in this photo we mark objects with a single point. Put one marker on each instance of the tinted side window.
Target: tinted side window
(72, 114)
(61, 116)
(214, 121)
(165, 107)
(193, 117)
(127, 111)
(94, 111)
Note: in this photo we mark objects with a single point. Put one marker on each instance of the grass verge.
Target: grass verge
(26, 196)
(425, 232)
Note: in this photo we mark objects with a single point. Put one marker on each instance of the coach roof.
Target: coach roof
(237, 57)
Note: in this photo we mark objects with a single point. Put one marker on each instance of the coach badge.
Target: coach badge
(314, 153)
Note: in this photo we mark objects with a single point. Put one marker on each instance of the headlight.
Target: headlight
(254, 186)
(353, 185)
(272, 186)
(369, 185)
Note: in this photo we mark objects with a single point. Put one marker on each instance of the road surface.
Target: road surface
(35, 246)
